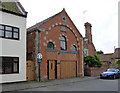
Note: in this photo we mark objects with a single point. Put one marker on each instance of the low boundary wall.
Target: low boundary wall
(94, 71)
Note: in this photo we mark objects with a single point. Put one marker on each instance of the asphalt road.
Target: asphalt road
(91, 85)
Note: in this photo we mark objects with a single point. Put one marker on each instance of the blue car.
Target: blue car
(110, 73)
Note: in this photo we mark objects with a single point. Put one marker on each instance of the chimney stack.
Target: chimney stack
(88, 32)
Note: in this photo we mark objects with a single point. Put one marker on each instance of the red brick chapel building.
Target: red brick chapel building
(61, 46)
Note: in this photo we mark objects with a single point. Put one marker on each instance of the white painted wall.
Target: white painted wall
(14, 48)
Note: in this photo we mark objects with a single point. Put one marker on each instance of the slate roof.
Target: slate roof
(13, 7)
(105, 57)
(108, 57)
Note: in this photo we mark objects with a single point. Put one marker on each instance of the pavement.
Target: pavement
(19, 86)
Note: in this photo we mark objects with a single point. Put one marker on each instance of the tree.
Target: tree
(92, 61)
(100, 52)
(118, 62)
(99, 64)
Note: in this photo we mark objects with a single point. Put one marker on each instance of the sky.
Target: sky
(102, 14)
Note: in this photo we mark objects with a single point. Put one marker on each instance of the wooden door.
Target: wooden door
(68, 69)
(30, 70)
(51, 69)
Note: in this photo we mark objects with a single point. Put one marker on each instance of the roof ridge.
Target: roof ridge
(19, 7)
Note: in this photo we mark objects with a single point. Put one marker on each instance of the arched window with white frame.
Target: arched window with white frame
(63, 43)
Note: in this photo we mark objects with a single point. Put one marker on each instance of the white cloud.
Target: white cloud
(108, 37)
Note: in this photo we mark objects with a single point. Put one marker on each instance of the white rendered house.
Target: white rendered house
(12, 42)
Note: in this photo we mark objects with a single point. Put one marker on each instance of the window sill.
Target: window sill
(9, 38)
(9, 73)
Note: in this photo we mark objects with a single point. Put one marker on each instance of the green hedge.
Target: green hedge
(92, 61)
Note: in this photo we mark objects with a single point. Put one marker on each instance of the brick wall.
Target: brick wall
(92, 71)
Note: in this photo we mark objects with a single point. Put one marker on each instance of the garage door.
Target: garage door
(68, 69)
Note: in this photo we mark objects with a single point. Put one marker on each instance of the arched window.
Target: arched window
(63, 43)
(50, 45)
(74, 48)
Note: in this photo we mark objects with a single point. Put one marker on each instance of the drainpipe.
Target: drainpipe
(82, 56)
(38, 51)
(37, 66)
